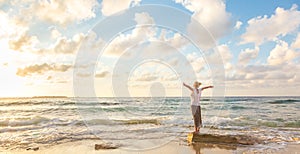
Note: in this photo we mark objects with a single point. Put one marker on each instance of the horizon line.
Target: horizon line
(148, 96)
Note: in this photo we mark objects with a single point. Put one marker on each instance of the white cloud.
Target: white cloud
(63, 12)
(4, 25)
(212, 15)
(247, 55)
(226, 56)
(153, 72)
(14, 32)
(263, 29)
(173, 62)
(296, 44)
(143, 18)
(11, 27)
(68, 46)
(139, 34)
(196, 61)
(170, 77)
(63, 45)
(177, 41)
(263, 78)
(282, 53)
(23, 42)
(102, 74)
(225, 52)
(41, 69)
(110, 7)
(166, 42)
(3, 2)
(238, 25)
(144, 76)
(55, 34)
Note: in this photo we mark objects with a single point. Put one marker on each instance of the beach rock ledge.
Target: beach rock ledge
(105, 146)
(222, 139)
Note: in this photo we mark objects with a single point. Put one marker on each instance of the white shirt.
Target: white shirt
(195, 98)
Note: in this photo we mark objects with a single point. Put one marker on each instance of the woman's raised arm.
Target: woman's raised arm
(207, 87)
(189, 87)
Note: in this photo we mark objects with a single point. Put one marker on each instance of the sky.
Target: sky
(129, 48)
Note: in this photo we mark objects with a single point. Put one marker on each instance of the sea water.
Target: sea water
(143, 123)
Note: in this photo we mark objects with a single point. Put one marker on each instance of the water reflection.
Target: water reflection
(200, 148)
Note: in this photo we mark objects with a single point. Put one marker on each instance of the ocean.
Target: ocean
(143, 123)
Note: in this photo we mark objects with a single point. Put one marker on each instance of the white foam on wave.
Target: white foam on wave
(25, 121)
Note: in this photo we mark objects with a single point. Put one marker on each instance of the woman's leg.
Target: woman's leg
(195, 117)
(200, 118)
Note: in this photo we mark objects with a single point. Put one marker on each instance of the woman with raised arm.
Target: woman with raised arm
(195, 103)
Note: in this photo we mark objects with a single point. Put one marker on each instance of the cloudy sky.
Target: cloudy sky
(41, 41)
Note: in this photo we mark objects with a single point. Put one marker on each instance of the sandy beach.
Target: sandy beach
(88, 147)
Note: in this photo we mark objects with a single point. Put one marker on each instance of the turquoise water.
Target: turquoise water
(142, 123)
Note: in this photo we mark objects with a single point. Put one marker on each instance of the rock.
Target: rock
(105, 146)
(222, 139)
(34, 149)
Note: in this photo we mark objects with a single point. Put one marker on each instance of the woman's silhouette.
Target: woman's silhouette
(195, 103)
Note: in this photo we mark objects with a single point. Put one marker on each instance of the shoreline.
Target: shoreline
(88, 146)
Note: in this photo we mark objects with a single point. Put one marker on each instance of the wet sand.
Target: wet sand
(88, 147)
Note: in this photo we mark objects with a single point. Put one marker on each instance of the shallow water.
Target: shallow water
(143, 123)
